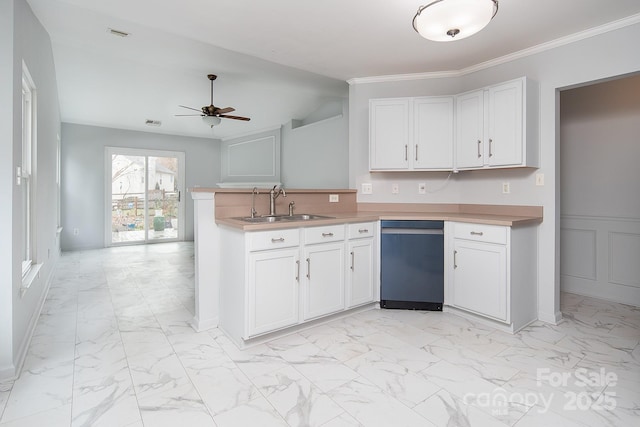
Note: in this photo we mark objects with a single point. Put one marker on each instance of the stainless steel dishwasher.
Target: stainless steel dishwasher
(412, 265)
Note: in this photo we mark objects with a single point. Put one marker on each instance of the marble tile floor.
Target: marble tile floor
(113, 348)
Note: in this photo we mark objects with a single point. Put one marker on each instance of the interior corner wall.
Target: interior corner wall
(316, 155)
(25, 40)
(83, 176)
(594, 58)
(6, 187)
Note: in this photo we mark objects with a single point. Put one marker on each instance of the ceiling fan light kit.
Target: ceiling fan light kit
(211, 115)
(450, 20)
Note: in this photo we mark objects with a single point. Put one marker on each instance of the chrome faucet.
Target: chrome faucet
(273, 195)
(291, 205)
(253, 202)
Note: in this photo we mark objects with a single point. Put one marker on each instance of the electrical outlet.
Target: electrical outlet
(367, 188)
(395, 188)
(334, 198)
(539, 179)
(422, 188)
(506, 188)
(76, 231)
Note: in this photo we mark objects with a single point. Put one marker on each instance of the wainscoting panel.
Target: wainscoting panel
(600, 257)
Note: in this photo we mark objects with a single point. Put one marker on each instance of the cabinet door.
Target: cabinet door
(388, 134)
(432, 133)
(470, 130)
(505, 124)
(360, 272)
(323, 292)
(480, 278)
(273, 290)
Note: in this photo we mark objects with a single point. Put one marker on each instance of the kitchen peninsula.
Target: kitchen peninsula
(229, 246)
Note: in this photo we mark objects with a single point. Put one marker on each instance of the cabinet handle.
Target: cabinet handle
(406, 152)
(363, 230)
(352, 260)
(477, 233)
(416, 152)
(327, 234)
(308, 268)
(280, 240)
(479, 144)
(455, 259)
(490, 147)
(297, 270)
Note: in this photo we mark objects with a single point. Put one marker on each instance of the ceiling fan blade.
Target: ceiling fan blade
(189, 108)
(225, 110)
(187, 115)
(246, 119)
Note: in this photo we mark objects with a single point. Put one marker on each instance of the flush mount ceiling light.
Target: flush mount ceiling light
(449, 20)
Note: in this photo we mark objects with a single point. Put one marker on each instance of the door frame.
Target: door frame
(109, 152)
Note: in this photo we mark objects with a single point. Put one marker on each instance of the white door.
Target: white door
(273, 290)
(480, 278)
(360, 272)
(145, 196)
(323, 292)
(470, 130)
(432, 133)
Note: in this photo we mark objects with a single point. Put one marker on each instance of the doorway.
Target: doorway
(144, 196)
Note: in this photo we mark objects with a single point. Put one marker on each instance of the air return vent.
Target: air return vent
(118, 32)
(150, 122)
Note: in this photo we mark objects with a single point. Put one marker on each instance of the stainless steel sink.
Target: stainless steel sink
(278, 218)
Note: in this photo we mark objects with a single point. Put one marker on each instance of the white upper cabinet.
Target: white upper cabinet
(433, 133)
(498, 126)
(495, 127)
(470, 130)
(389, 134)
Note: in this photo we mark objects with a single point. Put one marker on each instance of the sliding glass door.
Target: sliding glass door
(144, 196)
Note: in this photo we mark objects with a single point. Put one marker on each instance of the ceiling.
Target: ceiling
(276, 60)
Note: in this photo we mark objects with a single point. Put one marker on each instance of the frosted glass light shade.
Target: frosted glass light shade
(449, 20)
(211, 120)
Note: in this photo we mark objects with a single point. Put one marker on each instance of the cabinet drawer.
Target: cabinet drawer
(261, 240)
(329, 233)
(361, 229)
(480, 232)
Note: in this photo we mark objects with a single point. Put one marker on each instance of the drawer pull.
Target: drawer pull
(479, 144)
(280, 240)
(477, 233)
(352, 260)
(327, 234)
(298, 271)
(490, 147)
(455, 259)
(363, 230)
(308, 268)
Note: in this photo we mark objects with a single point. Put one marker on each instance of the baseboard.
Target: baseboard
(553, 319)
(22, 352)
(203, 325)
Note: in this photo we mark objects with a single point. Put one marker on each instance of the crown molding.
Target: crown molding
(602, 29)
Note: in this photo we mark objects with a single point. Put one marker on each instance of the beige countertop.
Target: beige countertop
(362, 216)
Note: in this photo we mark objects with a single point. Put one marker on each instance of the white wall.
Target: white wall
(83, 175)
(316, 153)
(600, 190)
(590, 59)
(24, 39)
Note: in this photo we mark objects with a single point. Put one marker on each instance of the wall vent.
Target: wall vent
(118, 32)
(150, 122)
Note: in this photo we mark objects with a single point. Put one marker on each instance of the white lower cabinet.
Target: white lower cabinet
(490, 272)
(273, 285)
(271, 280)
(360, 264)
(323, 289)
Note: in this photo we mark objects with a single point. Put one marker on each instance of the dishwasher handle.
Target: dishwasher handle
(432, 231)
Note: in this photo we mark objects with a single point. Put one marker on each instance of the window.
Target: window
(26, 172)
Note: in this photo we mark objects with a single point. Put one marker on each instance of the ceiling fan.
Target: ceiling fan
(210, 113)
